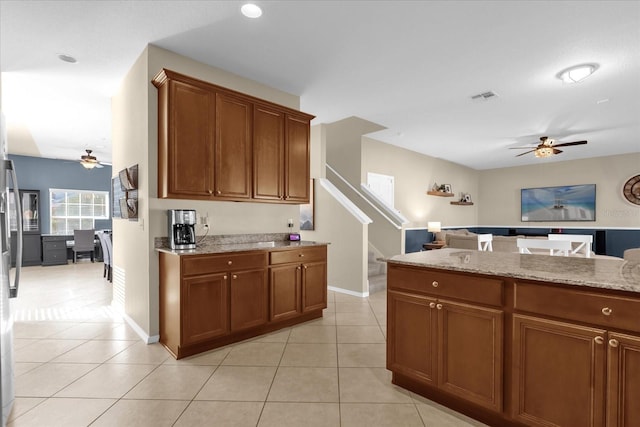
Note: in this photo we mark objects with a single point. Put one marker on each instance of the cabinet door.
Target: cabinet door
(314, 286)
(623, 376)
(285, 291)
(189, 153)
(205, 308)
(249, 299)
(411, 342)
(297, 160)
(268, 153)
(232, 154)
(470, 352)
(558, 373)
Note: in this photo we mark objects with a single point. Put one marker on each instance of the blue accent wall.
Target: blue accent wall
(35, 173)
(611, 242)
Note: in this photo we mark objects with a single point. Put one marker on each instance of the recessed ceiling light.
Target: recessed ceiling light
(251, 10)
(67, 58)
(577, 73)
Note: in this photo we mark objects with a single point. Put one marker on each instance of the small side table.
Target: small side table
(433, 246)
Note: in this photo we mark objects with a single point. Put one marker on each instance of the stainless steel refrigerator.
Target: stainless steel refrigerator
(8, 181)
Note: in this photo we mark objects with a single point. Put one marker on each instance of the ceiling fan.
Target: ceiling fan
(547, 147)
(88, 161)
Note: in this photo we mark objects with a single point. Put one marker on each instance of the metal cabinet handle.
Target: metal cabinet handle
(607, 311)
(434, 284)
(613, 342)
(229, 262)
(439, 306)
(235, 276)
(432, 305)
(599, 340)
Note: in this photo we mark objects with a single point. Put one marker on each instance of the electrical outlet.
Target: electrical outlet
(290, 223)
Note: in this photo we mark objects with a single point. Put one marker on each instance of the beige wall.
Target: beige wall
(500, 190)
(414, 175)
(135, 141)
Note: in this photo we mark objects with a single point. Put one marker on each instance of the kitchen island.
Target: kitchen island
(513, 339)
(230, 289)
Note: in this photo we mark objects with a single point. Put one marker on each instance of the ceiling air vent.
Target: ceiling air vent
(485, 96)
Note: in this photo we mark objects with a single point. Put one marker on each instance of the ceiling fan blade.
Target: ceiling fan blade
(556, 151)
(567, 144)
(526, 152)
(522, 148)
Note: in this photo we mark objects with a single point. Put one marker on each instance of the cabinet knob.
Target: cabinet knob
(439, 306)
(599, 340)
(229, 262)
(435, 284)
(613, 342)
(305, 266)
(298, 268)
(607, 311)
(432, 305)
(210, 191)
(235, 276)
(218, 192)
(224, 277)
(301, 255)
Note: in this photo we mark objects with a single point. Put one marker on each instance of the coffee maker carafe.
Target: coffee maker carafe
(182, 228)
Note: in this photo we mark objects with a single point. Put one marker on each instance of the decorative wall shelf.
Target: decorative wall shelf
(462, 203)
(440, 194)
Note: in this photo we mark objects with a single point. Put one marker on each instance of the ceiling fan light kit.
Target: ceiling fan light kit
(577, 73)
(546, 148)
(88, 161)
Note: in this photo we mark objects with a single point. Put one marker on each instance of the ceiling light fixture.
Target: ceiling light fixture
(577, 73)
(67, 58)
(251, 10)
(543, 152)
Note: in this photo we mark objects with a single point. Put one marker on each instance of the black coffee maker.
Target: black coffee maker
(182, 228)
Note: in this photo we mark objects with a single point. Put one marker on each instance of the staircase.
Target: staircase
(377, 274)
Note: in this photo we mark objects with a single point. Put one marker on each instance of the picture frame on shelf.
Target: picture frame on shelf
(447, 188)
(467, 198)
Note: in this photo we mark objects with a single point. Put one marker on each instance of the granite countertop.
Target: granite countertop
(606, 273)
(236, 243)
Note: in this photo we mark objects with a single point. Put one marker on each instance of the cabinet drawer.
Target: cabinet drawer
(298, 255)
(203, 264)
(468, 288)
(53, 245)
(578, 305)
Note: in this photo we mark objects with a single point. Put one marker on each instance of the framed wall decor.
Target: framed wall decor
(307, 210)
(563, 203)
(447, 188)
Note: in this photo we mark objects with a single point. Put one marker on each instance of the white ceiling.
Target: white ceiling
(409, 66)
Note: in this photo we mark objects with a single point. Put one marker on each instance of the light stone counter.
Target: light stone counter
(236, 243)
(606, 273)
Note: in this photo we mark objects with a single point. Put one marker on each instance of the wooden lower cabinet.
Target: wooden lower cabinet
(211, 300)
(453, 346)
(297, 287)
(205, 308)
(623, 380)
(559, 373)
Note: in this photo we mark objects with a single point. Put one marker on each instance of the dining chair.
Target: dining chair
(562, 246)
(83, 242)
(584, 242)
(106, 253)
(484, 242)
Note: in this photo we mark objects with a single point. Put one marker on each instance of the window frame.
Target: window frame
(80, 218)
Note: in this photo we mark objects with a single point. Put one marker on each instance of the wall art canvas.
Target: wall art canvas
(563, 203)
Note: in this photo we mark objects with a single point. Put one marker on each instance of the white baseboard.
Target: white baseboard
(348, 292)
(138, 330)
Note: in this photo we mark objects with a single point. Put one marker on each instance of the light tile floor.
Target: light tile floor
(79, 364)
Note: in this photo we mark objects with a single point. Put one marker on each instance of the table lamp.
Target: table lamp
(433, 227)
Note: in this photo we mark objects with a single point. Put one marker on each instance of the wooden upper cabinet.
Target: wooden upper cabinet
(185, 151)
(268, 153)
(232, 155)
(215, 143)
(297, 153)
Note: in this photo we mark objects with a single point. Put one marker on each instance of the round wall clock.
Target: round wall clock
(631, 190)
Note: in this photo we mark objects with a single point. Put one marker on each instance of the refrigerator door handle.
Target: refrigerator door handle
(13, 290)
